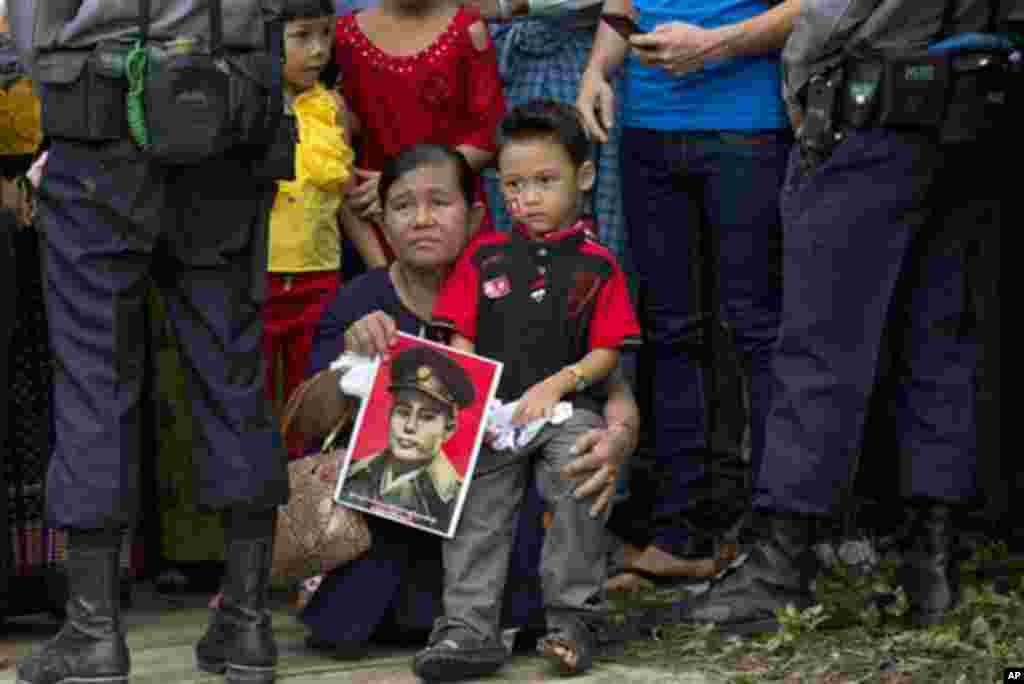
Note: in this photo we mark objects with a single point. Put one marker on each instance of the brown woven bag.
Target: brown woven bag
(314, 535)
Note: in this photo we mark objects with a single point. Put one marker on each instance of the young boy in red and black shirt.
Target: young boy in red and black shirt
(552, 305)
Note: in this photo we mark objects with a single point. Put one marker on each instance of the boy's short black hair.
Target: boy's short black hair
(427, 154)
(547, 119)
(306, 9)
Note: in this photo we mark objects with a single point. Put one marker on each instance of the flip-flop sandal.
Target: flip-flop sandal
(455, 653)
(576, 639)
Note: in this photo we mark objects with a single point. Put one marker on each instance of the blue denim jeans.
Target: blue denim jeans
(874, 237)
(675, 185)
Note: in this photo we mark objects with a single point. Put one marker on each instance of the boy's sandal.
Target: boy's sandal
(570, 646)
(455, 652)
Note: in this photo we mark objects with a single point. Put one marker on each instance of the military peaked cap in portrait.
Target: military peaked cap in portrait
(434, 373)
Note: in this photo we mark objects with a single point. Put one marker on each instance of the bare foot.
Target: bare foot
(727, 552)
(627, 583)
(630, 553)
(661, 563)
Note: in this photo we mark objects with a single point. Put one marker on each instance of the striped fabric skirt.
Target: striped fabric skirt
(32, 544)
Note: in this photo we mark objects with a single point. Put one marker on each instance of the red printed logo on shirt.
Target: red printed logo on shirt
(496, 288)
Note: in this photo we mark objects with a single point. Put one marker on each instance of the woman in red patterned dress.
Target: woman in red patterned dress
(417, 71)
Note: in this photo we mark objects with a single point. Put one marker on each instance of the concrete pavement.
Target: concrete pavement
(161, 635)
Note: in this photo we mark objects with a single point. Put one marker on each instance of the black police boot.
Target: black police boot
(239, 641)
(929, 572)
(90, 648)
(779, 570)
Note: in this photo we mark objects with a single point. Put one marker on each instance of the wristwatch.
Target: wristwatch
(581, 379)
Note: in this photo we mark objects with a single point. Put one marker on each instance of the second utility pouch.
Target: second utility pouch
(914, 91)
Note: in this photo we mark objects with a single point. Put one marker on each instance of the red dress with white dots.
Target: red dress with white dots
(448, 94)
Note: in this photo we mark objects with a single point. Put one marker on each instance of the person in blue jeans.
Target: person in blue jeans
(704, 143)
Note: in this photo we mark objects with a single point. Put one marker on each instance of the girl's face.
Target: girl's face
(307, 45)
(426, 217)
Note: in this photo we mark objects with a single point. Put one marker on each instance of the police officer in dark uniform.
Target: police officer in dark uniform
(897, 103)
(161, 117)
(414, 472)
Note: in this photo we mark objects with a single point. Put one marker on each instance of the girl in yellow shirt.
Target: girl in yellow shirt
(305, 223)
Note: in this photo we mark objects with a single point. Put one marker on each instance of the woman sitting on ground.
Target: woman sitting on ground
(394, 592)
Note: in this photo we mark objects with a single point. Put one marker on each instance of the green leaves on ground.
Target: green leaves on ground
(856, 633)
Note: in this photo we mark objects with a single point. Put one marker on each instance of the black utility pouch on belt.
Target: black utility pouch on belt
(78, 100)
(958, 97)
(958, 94)
(978, 96)
(186, 117)
(179, 101)
(182, 101)
(199, 102)
(819, 133)
(914, 91)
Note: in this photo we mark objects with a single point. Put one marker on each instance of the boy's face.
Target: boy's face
(541, 185)
(307, 45)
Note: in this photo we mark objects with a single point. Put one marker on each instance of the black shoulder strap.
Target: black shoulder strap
(948, 17)
(995, 8)
(144, 20)
(216, 27)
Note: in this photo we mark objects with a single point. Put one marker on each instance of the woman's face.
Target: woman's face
(427, 219)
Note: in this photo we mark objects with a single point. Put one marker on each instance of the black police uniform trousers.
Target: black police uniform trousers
(110, 216)
(874, 235)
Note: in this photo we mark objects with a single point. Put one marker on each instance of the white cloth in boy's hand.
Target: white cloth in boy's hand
(502, 434)
(357, 381)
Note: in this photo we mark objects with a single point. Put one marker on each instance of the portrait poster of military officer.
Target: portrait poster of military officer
(417, 435)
